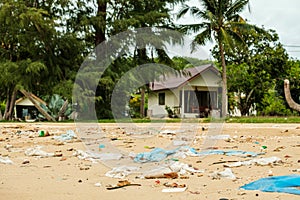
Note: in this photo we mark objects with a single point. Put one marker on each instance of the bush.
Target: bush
(274, 105)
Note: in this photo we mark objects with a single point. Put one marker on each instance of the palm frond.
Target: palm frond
(185, 8)
(194, 28)
(236, 7)
(202, 38)
(226, 37)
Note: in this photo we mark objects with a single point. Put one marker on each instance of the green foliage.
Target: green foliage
(256, 69)
(54, 106)
(134, 105)
(273, 105)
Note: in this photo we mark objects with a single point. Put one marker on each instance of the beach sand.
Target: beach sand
(61, 174)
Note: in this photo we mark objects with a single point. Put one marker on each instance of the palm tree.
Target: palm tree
(222, 23)
(288, 96)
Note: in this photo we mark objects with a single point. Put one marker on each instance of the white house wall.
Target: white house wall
(171, 100)
(207, 78)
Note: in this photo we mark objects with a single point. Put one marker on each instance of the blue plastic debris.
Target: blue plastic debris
(159, 154)
(284, 184)
(155, 155)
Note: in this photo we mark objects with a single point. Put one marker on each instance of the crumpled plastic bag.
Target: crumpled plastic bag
(95, 157)
(227, 173)
(121, 172)
(69, 135)
(284, 184)
(5, 160)
(36, 151)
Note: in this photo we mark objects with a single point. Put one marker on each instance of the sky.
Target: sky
(283, 16)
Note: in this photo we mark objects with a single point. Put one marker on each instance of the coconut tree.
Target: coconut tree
(221, 22)
(288, 96)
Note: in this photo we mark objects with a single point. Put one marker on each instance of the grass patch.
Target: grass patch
(288, 119)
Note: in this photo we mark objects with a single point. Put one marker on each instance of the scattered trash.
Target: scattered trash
(25, 162)
(183, 168)
(95, 157)
(36, 151)
(98, 184)
(278, 149)
(41, 133)
(148, 147)
(101, 146)
(8, 147)
(69, 135)
(173, 170)
(218, 137)
(121, 172)
(121, 184)
(174, 185)
(5, 160)
(259, 161)
(227, 173)
(170, 175)
(284, 184)
(170, 190)
(168, 132)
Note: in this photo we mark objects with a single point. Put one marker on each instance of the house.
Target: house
(193, 92)
(25, 109)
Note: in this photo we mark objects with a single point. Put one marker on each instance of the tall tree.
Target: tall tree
(255, 69)
(220, 21)
(129, 15)
(38, 49)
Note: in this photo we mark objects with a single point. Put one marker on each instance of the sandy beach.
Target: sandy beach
(43, 166)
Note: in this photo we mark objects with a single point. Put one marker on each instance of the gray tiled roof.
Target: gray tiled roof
(176, 80)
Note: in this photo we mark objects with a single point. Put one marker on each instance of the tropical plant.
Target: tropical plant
(220, 21)
(57, 107)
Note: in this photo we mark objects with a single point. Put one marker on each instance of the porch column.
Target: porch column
(182, 102)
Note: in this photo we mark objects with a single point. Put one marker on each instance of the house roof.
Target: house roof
(21, 101)
(174, 81)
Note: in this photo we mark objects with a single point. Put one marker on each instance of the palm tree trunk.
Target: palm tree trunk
(5, 115)
(142, 105)
(288, 96)
(224, 110)
(101, 25)
(12, 104)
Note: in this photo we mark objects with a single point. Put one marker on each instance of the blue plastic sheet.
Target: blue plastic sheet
(155, 155)
(159, 154)
(285, 184)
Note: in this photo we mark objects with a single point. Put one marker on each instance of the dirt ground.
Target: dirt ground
(61, 173)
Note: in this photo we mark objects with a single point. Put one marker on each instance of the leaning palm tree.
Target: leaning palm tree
(222, 23)
(288, 96)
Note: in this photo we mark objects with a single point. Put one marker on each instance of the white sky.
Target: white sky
(281, 15)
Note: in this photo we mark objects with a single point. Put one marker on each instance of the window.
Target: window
(161, 98)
